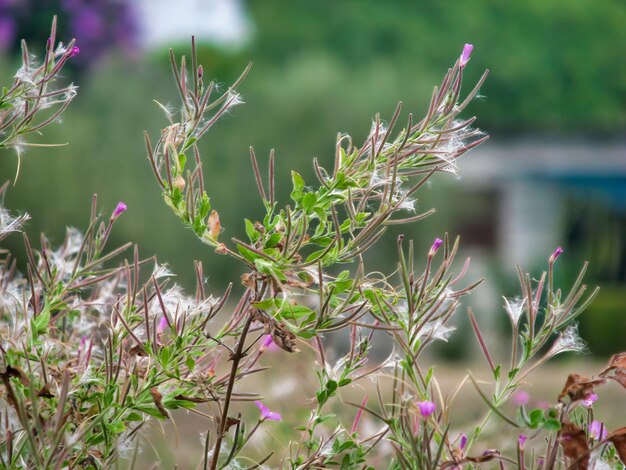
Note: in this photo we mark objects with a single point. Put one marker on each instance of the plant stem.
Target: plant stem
(229, 391)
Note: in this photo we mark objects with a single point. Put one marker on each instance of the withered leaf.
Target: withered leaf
(618, 360)
(45, 392)
(158, 401)
(486, 456)
(575, 447)
(616, 369)
(578, 387)
(284, 339)
(191, 399)
(214, 225)
(17, 373)
(231, 422)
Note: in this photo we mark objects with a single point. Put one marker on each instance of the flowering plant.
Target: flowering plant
(91, 350)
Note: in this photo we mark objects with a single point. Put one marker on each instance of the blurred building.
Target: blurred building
(529, 183)
(163, 23)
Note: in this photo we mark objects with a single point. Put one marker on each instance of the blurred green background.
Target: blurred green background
(557, 82)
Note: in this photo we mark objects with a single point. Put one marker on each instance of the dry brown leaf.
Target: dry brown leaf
(616, 369)
(578, 387)
(158, 401)
(214, 225)
(575, 446)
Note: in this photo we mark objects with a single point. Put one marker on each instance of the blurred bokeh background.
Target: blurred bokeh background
(554, 172)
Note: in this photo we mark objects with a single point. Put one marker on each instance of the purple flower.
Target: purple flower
(597, 431)
(521, 440)
(556, 254)
(161, 327)
(463, 442)
(200, 71)
(268, 344)
(74, 51)
(465, 55)
(589, 400)
(521, 397)
(266, 413)
(435, 247)
(119, 209)
(426, 408)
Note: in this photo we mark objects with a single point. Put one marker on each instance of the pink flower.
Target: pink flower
(435, 247)
(521, 397)
(426, 408)
(521, 440)
(74, 51)
(119, 209)
(268, 344)
(161, 326)
(589, 400)
(463, 442)
(465, 55)
(266, 413)
(597, 431)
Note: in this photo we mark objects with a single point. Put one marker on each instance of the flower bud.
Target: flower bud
(119, 209)
(435, 247)
(465, 55)
(556, 254)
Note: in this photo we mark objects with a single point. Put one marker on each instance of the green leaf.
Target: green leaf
(182, 159)
(273, 240)
(247, 254)
(308, 202)
(298, 186)
(535, 418)
(204, 207)
(552, 425)
(253, 235)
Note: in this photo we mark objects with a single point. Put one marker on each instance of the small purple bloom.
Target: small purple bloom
(268, 344)
(426, 408)
(556, 254)
(521, 440)
(161, 327)
(589, 400)
(597, 431)
(119, 209)
(435, 247)
(463, 442)
(74, 51)
(521, 397)
(266, 413)
(465, 55)
(200, 71)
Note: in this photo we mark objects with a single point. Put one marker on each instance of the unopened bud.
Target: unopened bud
(221, 249)
(119, 209)
(179, 183)
(435, 247)
(556, 254)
